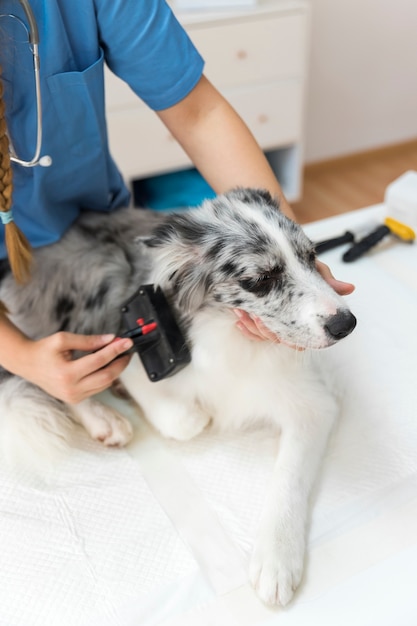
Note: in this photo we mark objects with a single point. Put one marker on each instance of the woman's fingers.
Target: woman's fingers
(103, 357)
(253, 327)
(50, 364)
(341, 287)
(101, 379)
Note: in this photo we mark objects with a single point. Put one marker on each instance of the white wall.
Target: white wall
(362, 90)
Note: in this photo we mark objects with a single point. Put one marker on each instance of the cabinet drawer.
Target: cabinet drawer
(256, 51)
(141, 145)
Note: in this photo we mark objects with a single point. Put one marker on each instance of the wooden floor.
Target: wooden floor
(353, 182)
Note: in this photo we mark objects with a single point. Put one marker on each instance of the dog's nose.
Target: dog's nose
(340, 325)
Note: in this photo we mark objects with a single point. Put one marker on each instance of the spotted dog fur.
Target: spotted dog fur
(237, 250)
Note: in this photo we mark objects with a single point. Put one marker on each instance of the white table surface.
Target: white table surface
(160, 533)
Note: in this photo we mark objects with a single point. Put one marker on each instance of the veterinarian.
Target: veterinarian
(143, 44)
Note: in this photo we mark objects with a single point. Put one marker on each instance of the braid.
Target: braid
(18, 247)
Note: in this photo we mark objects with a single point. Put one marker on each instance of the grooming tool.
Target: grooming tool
(141, 329)
(348, 237)
(158, 340)
(334, 242)
(390, 227)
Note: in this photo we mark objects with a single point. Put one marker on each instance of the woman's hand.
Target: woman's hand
(49, 364)
(340, 287)
(253, 328)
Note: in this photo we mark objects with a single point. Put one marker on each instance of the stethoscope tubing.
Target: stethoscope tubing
(33, 34)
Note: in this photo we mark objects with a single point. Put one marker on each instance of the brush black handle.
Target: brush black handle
(329, 244)
(365, 244)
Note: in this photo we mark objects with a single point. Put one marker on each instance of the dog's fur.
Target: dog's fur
(236, 251)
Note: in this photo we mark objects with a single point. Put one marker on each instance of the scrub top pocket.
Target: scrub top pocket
(78, 100)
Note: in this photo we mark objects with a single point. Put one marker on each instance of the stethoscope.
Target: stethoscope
(33, 39)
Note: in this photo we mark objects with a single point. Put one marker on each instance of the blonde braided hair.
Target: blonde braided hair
(18, 247)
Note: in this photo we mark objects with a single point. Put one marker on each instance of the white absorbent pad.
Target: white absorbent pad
(161, 533)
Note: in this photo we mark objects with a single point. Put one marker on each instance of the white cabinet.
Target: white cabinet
(257, 58)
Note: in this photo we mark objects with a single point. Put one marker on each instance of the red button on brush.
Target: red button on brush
(148, 328)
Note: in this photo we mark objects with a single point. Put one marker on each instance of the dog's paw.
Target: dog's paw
(104, 423)
(276, 569)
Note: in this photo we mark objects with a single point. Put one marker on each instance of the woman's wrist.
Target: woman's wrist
(13, 346)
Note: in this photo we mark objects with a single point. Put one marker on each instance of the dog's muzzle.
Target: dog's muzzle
(340, 325)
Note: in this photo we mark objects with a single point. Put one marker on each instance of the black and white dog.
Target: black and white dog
(236, 251)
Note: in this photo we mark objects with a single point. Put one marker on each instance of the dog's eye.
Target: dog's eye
(262, 284)
(312, 257)
(259, 286)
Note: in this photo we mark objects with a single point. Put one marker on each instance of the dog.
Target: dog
(237, 250)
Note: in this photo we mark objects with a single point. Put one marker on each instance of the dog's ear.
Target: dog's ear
(182, 228)
(190, 284)
(177, 248)
(253, 196)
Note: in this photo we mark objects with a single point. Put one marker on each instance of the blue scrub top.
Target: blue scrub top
(141, 41)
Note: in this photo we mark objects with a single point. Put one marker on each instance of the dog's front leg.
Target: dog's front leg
(277, 562)
(103, 423)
